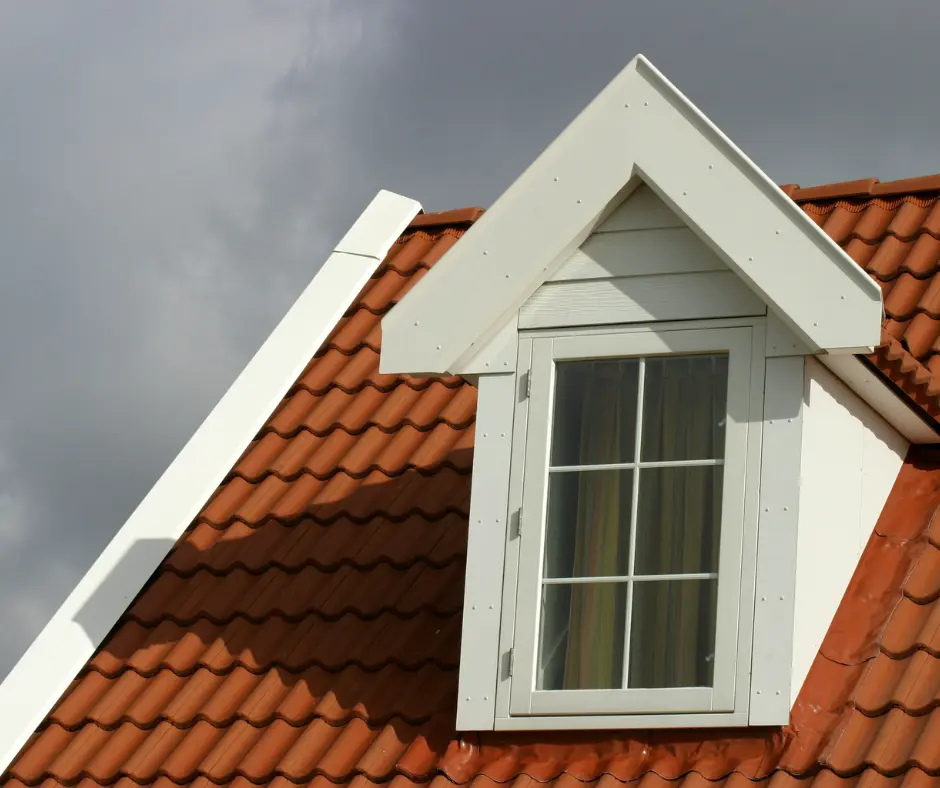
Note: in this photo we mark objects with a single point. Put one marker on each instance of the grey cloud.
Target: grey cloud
(174, 173)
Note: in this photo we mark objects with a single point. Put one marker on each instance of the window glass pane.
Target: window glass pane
(588, 523)
(678, 520)
(581, 636)
(672, 636)
(595, 412)
(684, 408)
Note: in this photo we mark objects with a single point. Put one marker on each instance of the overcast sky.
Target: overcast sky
(172, 175)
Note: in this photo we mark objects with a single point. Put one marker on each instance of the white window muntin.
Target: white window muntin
(546, 351)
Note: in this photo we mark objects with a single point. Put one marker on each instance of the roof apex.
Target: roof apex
(639, 128)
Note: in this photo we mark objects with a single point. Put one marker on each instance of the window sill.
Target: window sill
(623, 721)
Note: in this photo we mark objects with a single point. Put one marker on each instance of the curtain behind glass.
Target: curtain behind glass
(678, 523)
(677, 529)
(602, 532)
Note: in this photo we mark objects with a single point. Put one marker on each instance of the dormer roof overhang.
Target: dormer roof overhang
(640, 128)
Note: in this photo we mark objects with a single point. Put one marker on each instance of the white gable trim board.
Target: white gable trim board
(645, 273)
(640, 128)
(884, 399)
(83, 621)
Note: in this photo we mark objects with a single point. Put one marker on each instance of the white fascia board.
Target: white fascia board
(883, 399)
(639, 127)
(83, 621)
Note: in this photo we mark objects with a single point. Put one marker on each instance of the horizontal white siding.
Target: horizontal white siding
(639, 299)
(676, 250)
(642, 210)
(641, 264)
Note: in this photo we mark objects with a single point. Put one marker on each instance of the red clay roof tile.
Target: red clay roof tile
(447, 218)
(865, 187)
(306, 627)
(827, 192)
(892, 230)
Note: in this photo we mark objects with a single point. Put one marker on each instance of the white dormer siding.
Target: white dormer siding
(642, 264)
(849, 460)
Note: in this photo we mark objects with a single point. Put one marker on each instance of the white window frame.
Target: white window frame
(735, 601)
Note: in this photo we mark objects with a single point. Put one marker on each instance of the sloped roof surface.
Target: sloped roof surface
(307, 625)
(892, 230)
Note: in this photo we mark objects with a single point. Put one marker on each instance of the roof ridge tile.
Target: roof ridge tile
(447, 218)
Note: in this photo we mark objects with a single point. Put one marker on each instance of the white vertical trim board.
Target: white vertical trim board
(513, 536)
(101, 597)
(850, 458)
(486, 548)
(776, 546)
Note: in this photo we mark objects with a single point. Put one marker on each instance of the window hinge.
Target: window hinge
(512, 659)
(515, 523)
(525, 385)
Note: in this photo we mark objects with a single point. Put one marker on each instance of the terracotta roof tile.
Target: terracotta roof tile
(447, 218)
(892, 230)
(305, 629)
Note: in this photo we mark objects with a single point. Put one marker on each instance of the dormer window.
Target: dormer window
(631, 525)
(642, 312)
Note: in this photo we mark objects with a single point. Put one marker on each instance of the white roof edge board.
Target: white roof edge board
(70, 638)
(639, 126)
(856, 372)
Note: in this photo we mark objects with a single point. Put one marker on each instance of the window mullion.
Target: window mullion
(634, 503)
(629, 466)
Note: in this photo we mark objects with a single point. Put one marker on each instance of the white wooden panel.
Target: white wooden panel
(496, 356)
(637, 253)
(777, 537)
(781, 341)
(638, 299)
(514, 536)
(622, 722)
(755, 438)
(87, 615)
(379, 226)
(489, 501)
(642, 210)
(850, 459)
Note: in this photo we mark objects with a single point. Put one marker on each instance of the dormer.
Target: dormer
(673, 426)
